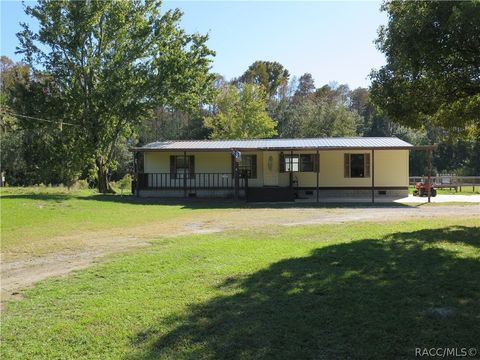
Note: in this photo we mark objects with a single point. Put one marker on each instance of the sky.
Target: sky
(334, 41)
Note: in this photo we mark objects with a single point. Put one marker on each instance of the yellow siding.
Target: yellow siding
(391, 167)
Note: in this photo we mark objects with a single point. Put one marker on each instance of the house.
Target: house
(274, 169)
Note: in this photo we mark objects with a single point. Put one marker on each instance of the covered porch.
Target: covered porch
(275, 169)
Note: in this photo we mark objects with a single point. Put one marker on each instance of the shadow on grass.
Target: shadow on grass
(41, 197)
(376, 299)
(201, 203)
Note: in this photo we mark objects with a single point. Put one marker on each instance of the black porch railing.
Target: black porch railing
(190, 182)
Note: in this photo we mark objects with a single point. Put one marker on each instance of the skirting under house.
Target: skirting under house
(273, 169)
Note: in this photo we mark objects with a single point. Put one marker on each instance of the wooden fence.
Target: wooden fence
(448, 181)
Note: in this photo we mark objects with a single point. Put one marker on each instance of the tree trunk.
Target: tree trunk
(102, 174)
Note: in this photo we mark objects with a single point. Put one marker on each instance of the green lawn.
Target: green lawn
(33, 218)
(466, 190)
(358, 290)
(52, 212)
(37, 221)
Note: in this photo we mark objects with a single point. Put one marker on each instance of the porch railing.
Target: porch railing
(190, 182)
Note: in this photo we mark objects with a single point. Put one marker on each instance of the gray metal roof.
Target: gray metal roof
(277, 144)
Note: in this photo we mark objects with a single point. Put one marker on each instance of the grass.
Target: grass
(359, 290)
(33, 217)
(40, 220)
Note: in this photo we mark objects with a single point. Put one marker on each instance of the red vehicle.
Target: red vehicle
(421, 189)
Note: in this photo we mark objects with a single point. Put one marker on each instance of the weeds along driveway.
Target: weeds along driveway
(76, 249)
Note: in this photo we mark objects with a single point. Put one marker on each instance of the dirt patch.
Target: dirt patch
(90, 247)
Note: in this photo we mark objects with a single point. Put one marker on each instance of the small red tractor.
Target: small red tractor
(421, 189)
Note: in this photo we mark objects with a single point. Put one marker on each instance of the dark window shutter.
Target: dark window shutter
(346, 165)
(254, 167)
(191, 166)
(173, 167)
(367, 165)
(232, 160)
(281, 165)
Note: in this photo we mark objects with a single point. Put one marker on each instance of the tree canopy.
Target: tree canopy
(111, 64)
(241, 114)
(269, 74)
(433, 64)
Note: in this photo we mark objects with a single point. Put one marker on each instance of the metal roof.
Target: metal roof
(278, 144)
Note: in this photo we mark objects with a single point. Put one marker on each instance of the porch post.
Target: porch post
(429, 188)
(291, 170)
(237, 179)
(184, 174)
(372, 169)
(137, 176)
(318, 171)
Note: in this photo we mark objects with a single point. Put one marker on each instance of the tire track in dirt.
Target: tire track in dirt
(17, 274)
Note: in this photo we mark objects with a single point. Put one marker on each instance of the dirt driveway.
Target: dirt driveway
(21, 273)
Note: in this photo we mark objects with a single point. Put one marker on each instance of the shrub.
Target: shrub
(125, 183)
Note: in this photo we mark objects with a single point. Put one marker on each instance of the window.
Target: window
(302, 163)
(248, 164)
(291, 163)
(357, 165)
(180, 165)
(307, 162)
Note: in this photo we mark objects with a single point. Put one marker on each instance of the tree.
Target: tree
(34, 149)
(240, 114)
(433, 56)
(13, 77)
(112, 63)
(271, 75)
(306, 85)
(315, 117)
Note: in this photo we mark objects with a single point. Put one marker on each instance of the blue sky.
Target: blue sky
(331, 40)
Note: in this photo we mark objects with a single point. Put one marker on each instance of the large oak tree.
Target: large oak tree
(112, 63)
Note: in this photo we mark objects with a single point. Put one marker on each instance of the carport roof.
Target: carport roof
(278, 144)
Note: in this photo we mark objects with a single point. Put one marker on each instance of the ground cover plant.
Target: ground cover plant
(358, 290)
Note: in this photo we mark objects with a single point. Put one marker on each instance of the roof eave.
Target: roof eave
(407, 147)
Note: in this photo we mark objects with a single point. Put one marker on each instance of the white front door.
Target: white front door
(270, 168)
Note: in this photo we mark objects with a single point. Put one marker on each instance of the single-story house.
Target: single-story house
(274, 169)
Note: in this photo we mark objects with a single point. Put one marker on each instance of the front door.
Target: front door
(270, 168)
